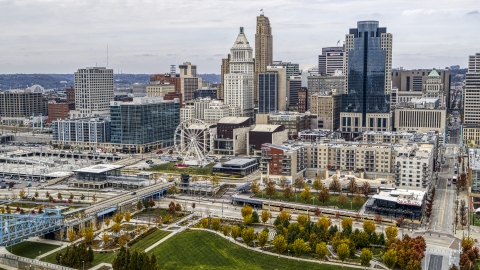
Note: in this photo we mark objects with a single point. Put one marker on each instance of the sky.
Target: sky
(147, 36)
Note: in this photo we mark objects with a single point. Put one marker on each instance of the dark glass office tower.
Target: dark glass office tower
(267, 92)
(368, 49)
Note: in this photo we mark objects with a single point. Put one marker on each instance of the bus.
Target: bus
(454, 180)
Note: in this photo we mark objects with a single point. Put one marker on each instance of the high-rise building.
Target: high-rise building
(368, 54)
(294, 85)
(238, 83)
(272, 90)
(167, 78)
(263, 49)
(471, 102)
(327, 109)
(224, 69)
(302, 100)
(143, 122)
(331, 60)
(189, 80)
(326, 85)
(292, 68)
(93, 92)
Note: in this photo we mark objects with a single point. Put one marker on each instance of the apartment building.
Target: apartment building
(282, 161)
(414, 166)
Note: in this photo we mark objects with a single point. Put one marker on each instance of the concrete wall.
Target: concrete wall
(31, 138)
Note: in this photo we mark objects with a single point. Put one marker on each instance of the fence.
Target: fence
(25, 263)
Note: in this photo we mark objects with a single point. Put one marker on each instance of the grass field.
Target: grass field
(30, 249)
(108, 257)
(205, 250)
(170, 168)
(332, 202)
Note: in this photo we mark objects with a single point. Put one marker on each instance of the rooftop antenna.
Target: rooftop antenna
(261, 10)
(107, 55)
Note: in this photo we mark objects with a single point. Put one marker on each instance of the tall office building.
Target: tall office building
(294, 85)
(93, 91)
(224, 69)
(471, 102)
(272, 90)
(366, 105)
(292, 68)
(263, 48)
(331, 60)
(189, 80)
(238, 82)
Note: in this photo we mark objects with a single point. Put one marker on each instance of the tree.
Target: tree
(323, 223)
(82, 197)
(215, 224)
(368, 226)
(352, 186)
(284, 215)
(128, 216)
(225, 229)
(321, 250)
(151, 203)
(288, 192)
(306, 194)
(262, 238)
(365, 257)
(71, 196)
(255, 187)
(342, 199)
(366, 189)
(343, 251)
(105, 239)
(215, 179)
(378, 219)
(317, 184)
(324, 195)
(347, 222)
(72, 236)
(248, 235)
(265, 216)
(89, 233)
(357, 199)
(235, 232)
(390, 258)
(299, 183)
(118, 218)
(122, 240)
(335, 185)
(279, 243)
(400, 221)
(270, 189)
(178, 207)
(107, 222)
(139, 205)
(246, 211)
(59, 196)
(116, 227)
(302, 220)
(173, 190)
(391, 233)
(21, 193)
(204, 223)
(299, 247)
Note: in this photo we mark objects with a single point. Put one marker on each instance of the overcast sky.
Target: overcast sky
(60, 36)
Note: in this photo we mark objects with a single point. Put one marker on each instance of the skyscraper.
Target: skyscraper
(93, 91)
(224, 69)
(331, 60)
(238, 83)
(272, 90)
(189, 80)
(263, 48)
(471, 102)
(366, 104)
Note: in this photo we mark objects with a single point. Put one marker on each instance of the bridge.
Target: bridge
(17, 228)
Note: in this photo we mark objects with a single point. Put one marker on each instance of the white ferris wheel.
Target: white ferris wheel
(193, 142)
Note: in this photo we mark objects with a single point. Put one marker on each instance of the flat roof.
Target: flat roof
(232, 120)
(101, 168)
(265, 128)
(238, 161)
(402, 196)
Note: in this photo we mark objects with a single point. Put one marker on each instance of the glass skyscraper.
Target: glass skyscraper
(144, 121)
(267, 92)
(368, 56)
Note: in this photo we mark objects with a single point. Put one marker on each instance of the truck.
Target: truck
(454, 180)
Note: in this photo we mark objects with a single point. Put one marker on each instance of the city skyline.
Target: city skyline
(59, 37)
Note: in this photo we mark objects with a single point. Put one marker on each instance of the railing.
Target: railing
(4, 258)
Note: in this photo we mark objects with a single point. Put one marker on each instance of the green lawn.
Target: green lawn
(332, 202)
(170, 168)
(205, 250)
(150, 240)
(109, 256)
(30, 249)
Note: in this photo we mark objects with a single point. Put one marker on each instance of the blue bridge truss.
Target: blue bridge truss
(16, 228)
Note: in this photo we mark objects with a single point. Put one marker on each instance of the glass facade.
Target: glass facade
(267, 92)
(143, 123)
(366, 72)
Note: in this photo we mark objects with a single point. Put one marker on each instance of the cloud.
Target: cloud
(416, 12)
(147, 55)
(475, 12)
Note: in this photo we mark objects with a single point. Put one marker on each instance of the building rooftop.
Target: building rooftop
(402, 196)
(433, 74)
(474, 158)
(265, 128)
(232, 120)
(99, 168)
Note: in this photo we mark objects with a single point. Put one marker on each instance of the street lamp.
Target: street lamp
(60, 259)
(83, 265)
(289, 252)
(351, 207)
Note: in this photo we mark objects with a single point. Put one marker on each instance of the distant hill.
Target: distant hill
(60, 81)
